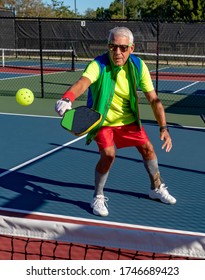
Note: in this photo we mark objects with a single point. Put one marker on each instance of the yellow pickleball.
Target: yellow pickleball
(24, 96)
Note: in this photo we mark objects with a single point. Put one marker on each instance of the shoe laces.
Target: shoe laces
(163, 190)
(100, 201)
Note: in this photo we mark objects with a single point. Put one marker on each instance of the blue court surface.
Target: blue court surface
(48, 172)
(172, 80)
(10, 75)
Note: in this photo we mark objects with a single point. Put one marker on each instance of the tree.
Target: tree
(29, 8)
(103, 14)
(132, 9)
(173, 9)
(189, 9)
(118, 9)
(59, 10)
(156, 9)
(90, 13)
(127, 9)
(37, 8)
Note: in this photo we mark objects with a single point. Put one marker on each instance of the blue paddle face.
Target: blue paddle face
(80, 120)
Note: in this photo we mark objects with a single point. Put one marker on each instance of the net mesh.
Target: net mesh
(35, 59)
(20, 248)
(178, 79)
(175, 65)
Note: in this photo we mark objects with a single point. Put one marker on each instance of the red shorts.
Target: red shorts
(121, 136)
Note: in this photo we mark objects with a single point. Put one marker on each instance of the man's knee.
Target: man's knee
(107, 157)
(108, 154)
(147, 151)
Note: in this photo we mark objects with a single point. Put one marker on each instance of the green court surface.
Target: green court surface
(46, 107)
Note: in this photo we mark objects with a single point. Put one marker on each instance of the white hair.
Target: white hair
(121, 31)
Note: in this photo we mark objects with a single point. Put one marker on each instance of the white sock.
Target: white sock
(100, 180)
(153, 171)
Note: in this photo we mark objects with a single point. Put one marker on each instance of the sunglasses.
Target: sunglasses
(123, 48)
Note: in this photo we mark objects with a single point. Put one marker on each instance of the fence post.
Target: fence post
(41, 56)
(157, 60)
(73, 60)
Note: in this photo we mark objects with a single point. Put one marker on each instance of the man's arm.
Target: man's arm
(160, 117)
(157, 108)
(77, 89)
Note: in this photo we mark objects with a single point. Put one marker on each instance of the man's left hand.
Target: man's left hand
(165, 136)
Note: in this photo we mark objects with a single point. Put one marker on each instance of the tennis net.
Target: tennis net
(32, 239)
(36, 59)
(175, 65)
(178, 79)
(19, 248)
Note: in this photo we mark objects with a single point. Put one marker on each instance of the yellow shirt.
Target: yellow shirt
(120, 112)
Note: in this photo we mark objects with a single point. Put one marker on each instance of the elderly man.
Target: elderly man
(113, 79)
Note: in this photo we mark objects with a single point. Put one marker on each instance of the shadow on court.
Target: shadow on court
(193, 104)
(177, 168)
(30, 196)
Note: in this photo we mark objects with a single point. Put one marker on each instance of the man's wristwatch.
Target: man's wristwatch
(165, 127)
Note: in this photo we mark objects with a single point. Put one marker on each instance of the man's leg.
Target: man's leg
(103, 166)
(158, 189)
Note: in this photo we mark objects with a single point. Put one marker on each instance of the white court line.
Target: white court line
(40, 156)
(186, 87)
(57, 117)
(103, 222)
(28, 115)
(20, 77)
(164, 68)
(27, 75)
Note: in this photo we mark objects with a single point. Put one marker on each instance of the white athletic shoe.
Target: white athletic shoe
(99, 205)
(162, 194)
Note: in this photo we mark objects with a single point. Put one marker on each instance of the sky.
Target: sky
(83, 5)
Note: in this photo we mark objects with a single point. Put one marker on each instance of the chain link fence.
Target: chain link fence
(49, 55)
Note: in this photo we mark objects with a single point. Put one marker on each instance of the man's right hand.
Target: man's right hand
(62, 106)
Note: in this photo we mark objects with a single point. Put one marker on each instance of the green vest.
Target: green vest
(101, 92)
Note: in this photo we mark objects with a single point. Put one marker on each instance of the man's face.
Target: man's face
(120, 49)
